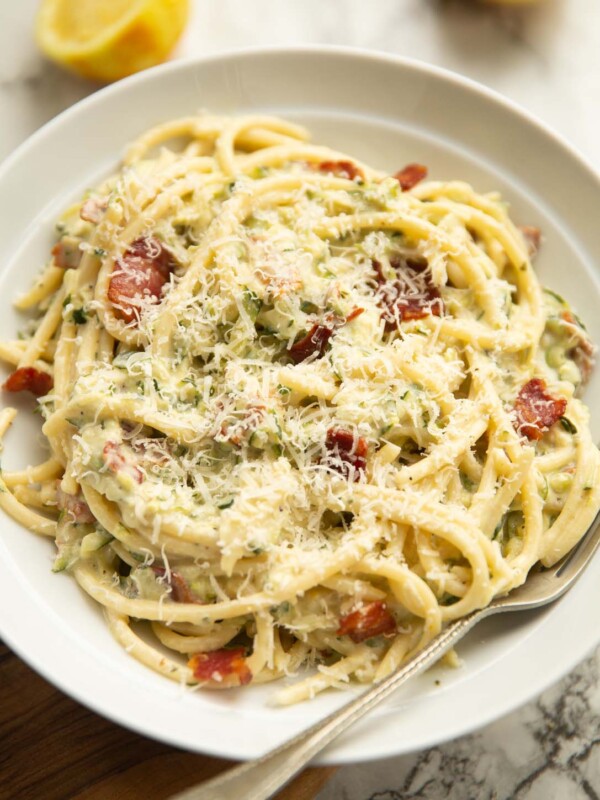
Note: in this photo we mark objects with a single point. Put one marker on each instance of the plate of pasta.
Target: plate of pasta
(289, 385)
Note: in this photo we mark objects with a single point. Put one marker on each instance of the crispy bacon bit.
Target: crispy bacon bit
(372, 619)
(225, 667)
(315, 341)
(75, 506)
(92, 210)
(66, 253)
(180, 590)
(583, 350)
(412, 295)
(533, 238)
(356, 312)
(410, 175)
(141, 273)
(537, 411)
(317, 338)
(346, 453)
(115, 460)
(29, 379)
(343, 169)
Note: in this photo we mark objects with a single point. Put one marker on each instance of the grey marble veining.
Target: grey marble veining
(548, 750)
(547, 58)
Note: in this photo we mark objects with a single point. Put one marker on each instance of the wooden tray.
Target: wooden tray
(52, 748)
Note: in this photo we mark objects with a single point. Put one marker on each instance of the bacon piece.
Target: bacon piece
(583, 350)
(116, 462)
(29, 379)
(66, 253)
(180, 590)
(92, 210)
(410, 175)
(317, 338)
(372, 619)
(315, 341)
(536, 411)
(141, 272)
(226, 667)
(75, 506)
(346, 453)
(412, 295)
(533, 238)
(343, 169)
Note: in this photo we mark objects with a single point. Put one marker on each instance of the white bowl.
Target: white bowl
(387, 111)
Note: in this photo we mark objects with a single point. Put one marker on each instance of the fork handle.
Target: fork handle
(261, 778)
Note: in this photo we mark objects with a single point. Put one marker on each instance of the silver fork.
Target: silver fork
(260, 779)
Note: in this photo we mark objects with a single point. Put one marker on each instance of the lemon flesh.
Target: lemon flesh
(108, 39)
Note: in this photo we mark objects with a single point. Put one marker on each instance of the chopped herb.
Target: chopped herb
(226, 504)
(514, 523)
(67, 301)
(498, 534)
(283, 390)
(79, 316)
(308, 307)
(568, 425)
(466, 482)
(156, 386)
(252, 303)
(100, 252)
(448, 599)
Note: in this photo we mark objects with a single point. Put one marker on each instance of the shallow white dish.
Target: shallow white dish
(388, 112)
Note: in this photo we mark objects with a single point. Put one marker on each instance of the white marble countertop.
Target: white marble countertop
(545, 57)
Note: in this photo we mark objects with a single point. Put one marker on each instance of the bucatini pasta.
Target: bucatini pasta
(299, 411)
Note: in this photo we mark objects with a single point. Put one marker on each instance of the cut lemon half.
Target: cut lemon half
(108, 39)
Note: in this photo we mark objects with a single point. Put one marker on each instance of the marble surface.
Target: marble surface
(546, 57)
